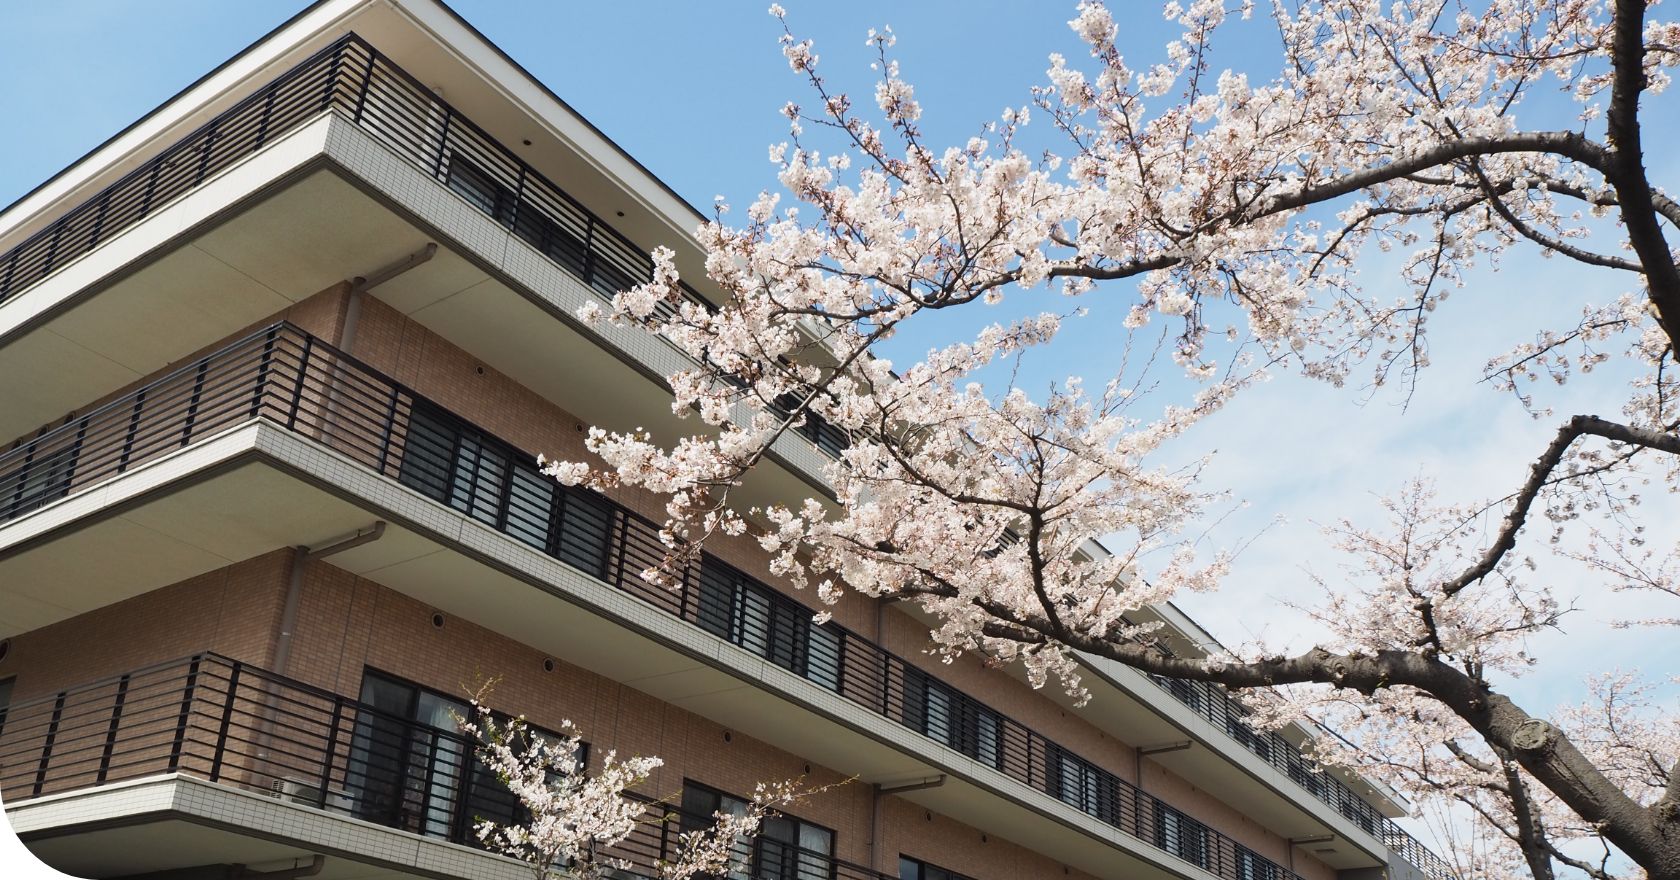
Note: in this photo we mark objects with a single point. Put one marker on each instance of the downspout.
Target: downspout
(359, 286)
(875, 828)
(301, 558)
(241, 872)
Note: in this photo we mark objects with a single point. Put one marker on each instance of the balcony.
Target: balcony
(1216, 704)
(352, 82)
(282, 376)
(233, 724)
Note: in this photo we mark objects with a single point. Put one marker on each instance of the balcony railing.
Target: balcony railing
(351, 79)
(1213, 702)
(234, 724)
(290, 378)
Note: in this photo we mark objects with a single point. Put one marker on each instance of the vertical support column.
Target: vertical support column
(298, 386)
(47, 747)
(133, 430)
(111, 730)
(332, 747)
(227, 721)
(181, 722)
(443, 143)
(387, 428)
(367, 83)
(192, 403)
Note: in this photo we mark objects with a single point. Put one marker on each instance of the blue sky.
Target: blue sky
(692, 90)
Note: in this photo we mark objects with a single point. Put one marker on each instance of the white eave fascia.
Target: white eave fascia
(528, 93)
(171, 120)
(308, 31)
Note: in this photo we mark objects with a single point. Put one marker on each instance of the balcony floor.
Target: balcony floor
(175, 822)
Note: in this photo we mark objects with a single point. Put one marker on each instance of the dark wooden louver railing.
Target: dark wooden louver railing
(236, 724)
(285, 376)
(351, 79)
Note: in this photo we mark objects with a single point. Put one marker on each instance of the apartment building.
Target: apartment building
(279, 358)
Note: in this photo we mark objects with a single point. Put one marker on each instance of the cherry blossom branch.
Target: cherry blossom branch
(1626, 166)
(1540, 475)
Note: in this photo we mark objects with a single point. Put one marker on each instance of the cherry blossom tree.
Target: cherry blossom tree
(1238, 209)
(577, 819)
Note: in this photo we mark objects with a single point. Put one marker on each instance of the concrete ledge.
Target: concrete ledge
(189, 820)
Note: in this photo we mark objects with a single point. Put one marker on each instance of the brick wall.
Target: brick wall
(347, 625)
(233, 611)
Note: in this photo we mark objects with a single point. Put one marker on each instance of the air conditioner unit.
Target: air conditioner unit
(308, 793)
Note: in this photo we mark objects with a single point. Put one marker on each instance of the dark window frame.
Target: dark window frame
(467, 795)
(735, 607)
(794, 869)
(912, 868)
(481, 189)
(965, 719)
(477, 475)
(1179, 834)
(1098, 792)
(1253, 866)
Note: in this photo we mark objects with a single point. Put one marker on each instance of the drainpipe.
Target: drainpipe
(875, 828)
(241, 872)
(918, 785)
(1139, 751)
(876, 857)
(294, 588)
(301, 558)
(359, 286)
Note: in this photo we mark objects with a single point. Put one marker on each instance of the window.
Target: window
(1081, 785)
(480, 189)
(43, 478)
(454, 464)
(428, 454)
(787, 848)
(933, 708)
(407, 761)
(736, 608)
(823, 657)
(916, 869)
(1186, 692)
(554, 241)
(1253, 867)
(1359, 812)
(562, 241)
(568, 524)
(1251, 739)
(1305, 775)
(5, 699)
(411, 767)
(1180, 835)
(479, 474)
